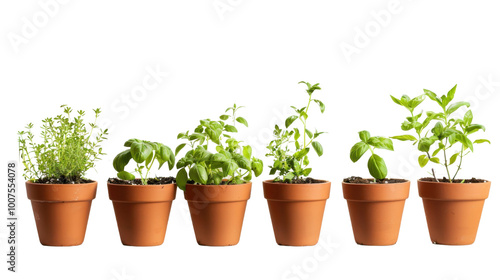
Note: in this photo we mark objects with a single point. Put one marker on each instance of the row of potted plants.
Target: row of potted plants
(215, 174)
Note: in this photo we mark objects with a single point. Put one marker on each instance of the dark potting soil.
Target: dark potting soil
(307, 180)
(63, 180)
(444, 180)
(359, 180)
(151, 181)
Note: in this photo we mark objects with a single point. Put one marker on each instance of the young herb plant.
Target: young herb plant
(230, 164)
(144, 153)
(67, 151)
(293, 165)
(376, 164)
(448, 130)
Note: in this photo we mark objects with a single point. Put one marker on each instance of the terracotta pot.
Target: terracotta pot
(217, 212)
(142, 212)
(296, 211)
(453, 210)
(376, 211)
(61, 211)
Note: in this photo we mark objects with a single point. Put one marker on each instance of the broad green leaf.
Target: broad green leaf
(179, 148)
(214, 134)
(406, 126)
(321, 105)
(247, 152)
(453, 107)
(435, 160)
(121, 160)
(290, 120)
(301, 153)
(438, 129)
(318, 148)
(224, 117)
(381, 143)
(296, 135)
(149, 159)
(396, 100)
(423, 160)
(230, 128)
(124, 175)
(474, 127)
(242, 162)
(140, 151)
(450, 95)
(468, 118)
(453, 158)
(424, 145)
(309, 133)
(130, 141)
(358, 150)
(364, 135)
(377, 167)
(405, 138)
(307, 171)
(242, 121)
(257, 167)
(416, 101)
(198, 174)
(181, 179)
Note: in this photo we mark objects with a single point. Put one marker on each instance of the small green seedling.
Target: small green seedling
(448, 130)
(376, 164)
(144, 153)
(231, 163)
(291, 165)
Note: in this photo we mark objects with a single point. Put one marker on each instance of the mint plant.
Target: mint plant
(144, 153)
(230, 163)
(376, 164)
(67, 150)
(448, 132)
(292, 165)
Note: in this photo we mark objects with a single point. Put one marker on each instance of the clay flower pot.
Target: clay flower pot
(217, 212)
(453, 210)
(61, 211)
(142, 212)
(376, 211)
(296, 211)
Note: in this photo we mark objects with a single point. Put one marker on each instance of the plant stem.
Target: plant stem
(460, 164)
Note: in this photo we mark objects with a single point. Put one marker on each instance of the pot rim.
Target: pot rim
(432, 182)
(61, 192)
(282, 183)
(378, 184)
(142, 193)
(155, 185)
(46, 184)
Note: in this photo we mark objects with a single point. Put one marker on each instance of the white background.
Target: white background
(90, 54)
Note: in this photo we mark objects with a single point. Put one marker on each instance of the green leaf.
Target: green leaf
(453, 158)
(416, 101)
(300, 154)
(406, 126)
(405, 138)
(130, 141)
(318, 148)
(124, 175)
(247, 152)
(230, 128)
(424, 145)
(140, 151)
(224, 117)
(377, 167)
(358, 150)
(307, 171)
(198, 174)
(468, 118)
(453, 107)
(438, 129)
(364, 135)
(381, 143)
(451, 94)
(479, 141)
(435, 160)
(423, 160)
(214, 134)
(290, 120)
(242, 162)
(242, 121)
(179, 148)
(432, 96)
(257, 167)
(229, 167)
(321, 105)
(309, 133)
(296, 135)
(181, 179)
(474, 127)
(396, 100)
(121, 160)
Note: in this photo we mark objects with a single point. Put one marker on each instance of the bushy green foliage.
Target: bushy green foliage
(376, 164)
(291, 165)
(66, 151)
(144, 153)
(230, 160)
(448, 130)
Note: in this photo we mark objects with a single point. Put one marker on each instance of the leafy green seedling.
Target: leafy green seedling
(144, 153)
(231, 163)
(291, 165)
(447, 131)
(376, 164)
(67, 151)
